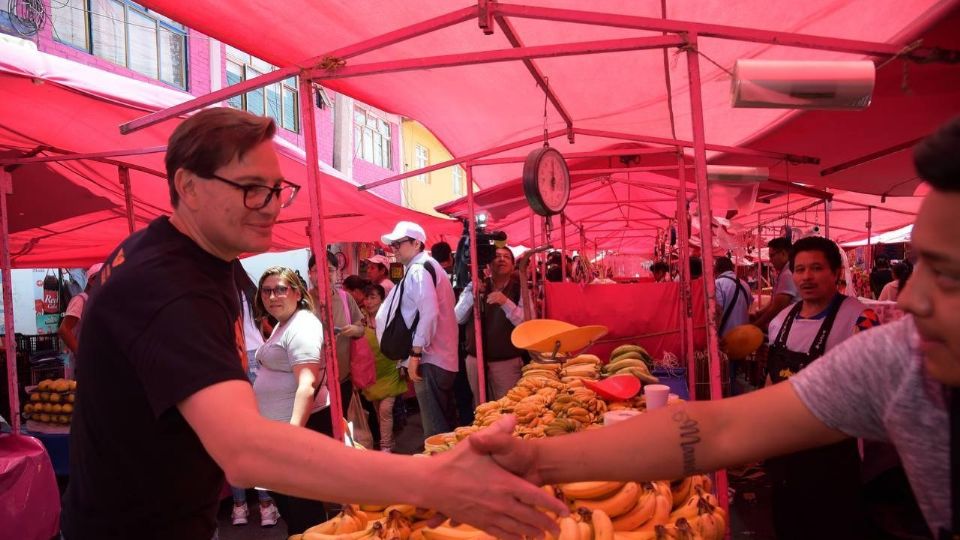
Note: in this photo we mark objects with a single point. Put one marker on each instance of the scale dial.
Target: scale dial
(546, 181)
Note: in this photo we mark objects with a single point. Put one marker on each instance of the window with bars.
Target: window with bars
(125, 33)
(458, 183)
(279, 101)
(371, 138)
(421, 158)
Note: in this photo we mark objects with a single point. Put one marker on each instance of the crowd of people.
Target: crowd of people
(213, 377)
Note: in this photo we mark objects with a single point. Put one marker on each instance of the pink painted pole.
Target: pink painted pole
(706, 237)
(128, 197)
(686, 296)
(85, 155)
(563, 247)
(9, 344)
(319, 246)
(536, 268)
(475, 279)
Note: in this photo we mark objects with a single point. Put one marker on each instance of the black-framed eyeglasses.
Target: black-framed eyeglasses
(397, 243)
(257, 196)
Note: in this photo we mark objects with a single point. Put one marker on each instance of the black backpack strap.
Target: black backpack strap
(433, 273)
(729, 309)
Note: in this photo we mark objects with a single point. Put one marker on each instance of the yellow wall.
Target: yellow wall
(438, 186)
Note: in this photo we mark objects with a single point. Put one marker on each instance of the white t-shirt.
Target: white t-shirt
(297, 341)
(804, 331)
(75, 307)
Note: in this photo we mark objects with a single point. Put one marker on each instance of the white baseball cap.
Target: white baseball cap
(379, 259)
(405, 229)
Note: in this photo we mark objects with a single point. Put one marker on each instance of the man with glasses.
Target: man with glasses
(166, 412)
(424, 298)
(784, 290)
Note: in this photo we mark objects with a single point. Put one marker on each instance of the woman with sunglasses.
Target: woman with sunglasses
(290, 385)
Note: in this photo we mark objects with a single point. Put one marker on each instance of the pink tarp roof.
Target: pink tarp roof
(72, 213)
(475, 107)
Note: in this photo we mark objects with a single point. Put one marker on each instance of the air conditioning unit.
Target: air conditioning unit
(803, 84)
(733, 173)
(734, 188)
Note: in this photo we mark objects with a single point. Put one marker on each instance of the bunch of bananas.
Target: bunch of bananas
(624, 352)
(585, 366)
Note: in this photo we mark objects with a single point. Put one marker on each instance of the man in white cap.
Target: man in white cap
(378, 271)
(426, 303)
(69, 330)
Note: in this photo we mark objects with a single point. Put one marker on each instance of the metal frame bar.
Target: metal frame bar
(706, 236)
(128, 198)
(497, 55)
(10, 344)
(318, 245)
(871, 156)
(87, 155)
(577, 155)
(770, 37)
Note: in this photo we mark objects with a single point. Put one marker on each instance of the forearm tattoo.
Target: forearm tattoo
(689, 438)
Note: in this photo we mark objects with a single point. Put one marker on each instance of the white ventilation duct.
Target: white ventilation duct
(782, 84)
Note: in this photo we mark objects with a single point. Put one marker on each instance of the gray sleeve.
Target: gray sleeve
(848, 387)
(303, 338)
(785, 285)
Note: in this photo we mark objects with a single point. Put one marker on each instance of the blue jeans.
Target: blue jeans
(435, 396)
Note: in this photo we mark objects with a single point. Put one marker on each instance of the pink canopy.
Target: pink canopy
(475, 107)
(72, 213)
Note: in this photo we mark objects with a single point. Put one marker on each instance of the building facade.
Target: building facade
(426, 191)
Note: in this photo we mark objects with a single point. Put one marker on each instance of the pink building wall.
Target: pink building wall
(199, 83)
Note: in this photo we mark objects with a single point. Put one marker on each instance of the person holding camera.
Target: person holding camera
(419, 312)
(500, 313)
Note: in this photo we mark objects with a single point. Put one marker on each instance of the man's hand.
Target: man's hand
(413, 369)
(509, 452)
(497, 297)
(471, 488)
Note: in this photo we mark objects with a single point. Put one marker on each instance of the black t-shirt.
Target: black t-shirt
(162, 323)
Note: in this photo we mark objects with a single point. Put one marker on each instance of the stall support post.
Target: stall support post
(475, 280)
(9, 344)
(563, 247)
(535, 268)
(826, 218)
(127, 197)
(318, 246)
(686, 297)
(706, 237)
(759, 262)
(868, 263)
(543, 267)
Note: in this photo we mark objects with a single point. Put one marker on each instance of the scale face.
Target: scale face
(546, 181)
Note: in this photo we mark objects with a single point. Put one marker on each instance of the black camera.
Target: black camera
(487, 243)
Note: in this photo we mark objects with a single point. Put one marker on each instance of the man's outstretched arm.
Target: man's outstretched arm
(668, 443)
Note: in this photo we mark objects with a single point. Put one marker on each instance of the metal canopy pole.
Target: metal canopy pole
(318, 245)
(475, 280)
(128, 197)
(563, 247)
(686, 297)
(9, 344)
(706, 236)
(869, 256)
(536, 269)
(826, 219)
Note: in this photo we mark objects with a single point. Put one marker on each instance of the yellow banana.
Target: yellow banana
(602, 526)
(582, 359)
(709, 526)
(661, 513)
(625, 349)
(615, 505)
(538, 365)
(635, 535)
(371, 507)
(375, 531)
(622, 363)
(681, 490)
(451, 533)
(585, 530)
(641, 513)
(327, 527)
(569, 530)
(590, 490)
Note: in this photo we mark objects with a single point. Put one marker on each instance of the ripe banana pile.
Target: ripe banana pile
(630, 360)
(684, 509)
(548, 400)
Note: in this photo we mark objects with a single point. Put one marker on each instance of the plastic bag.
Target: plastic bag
(359, 425)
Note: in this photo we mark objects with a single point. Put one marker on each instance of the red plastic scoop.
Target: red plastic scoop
(618, 387)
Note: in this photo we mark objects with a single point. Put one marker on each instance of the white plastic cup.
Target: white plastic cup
(614, 417)
(657, 395)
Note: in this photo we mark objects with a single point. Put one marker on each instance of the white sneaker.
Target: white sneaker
(269, 515)
(240, 514)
